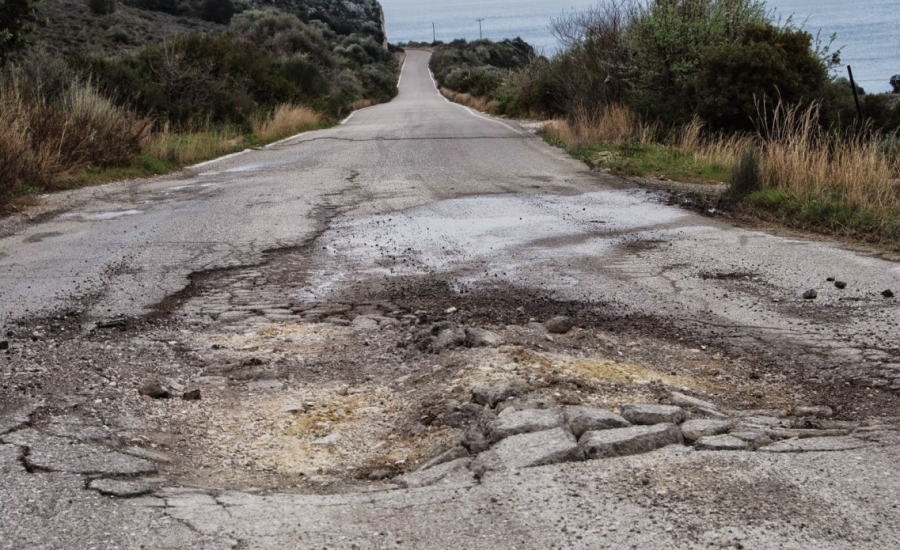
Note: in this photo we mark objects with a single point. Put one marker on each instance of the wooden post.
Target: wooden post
(859, 116)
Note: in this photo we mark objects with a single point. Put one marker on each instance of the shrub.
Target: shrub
(768, 64)
(101, 7)
(17, 17)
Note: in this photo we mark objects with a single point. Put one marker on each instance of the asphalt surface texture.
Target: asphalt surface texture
(292, 347)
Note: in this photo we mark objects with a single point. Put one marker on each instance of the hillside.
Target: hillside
(71, 29)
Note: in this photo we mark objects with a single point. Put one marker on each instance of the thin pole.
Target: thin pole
(480, 36)
(433, 33)
(855, 96)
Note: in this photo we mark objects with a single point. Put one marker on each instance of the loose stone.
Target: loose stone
(538, 448)
(755, 439)
(481, 338)
(526, 421)
(695, 429)
(683, 400)
(491, 393)
(888, 293)
(154, 390)
(582, 419)
(652, 414)
(722, 442)
(814, 444)
(629, 441)
(449, 338)
(810, 294)
(192, 395)
(559, 325)
(840, 285)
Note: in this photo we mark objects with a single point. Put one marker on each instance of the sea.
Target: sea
(866, 31)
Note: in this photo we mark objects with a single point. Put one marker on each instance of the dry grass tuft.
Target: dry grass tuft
(798, 156)
(477, 103)
(285, 121)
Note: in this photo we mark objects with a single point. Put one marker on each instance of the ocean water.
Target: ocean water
(868, 31)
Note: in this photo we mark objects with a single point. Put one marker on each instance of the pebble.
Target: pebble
(840, 284)
(810, 294)
(887, 293)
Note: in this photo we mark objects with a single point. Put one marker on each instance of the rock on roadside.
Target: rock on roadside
(696, 429)
(629, 441)
(646, 414)
(722, 442)
(526, 421)
(559, 325)
(537, 449)
(582, 419)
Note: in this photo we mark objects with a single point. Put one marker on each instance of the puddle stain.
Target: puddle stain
(39, 237)
(99, 216)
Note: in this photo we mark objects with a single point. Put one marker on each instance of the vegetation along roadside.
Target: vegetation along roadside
(166, 84)
(708, 91)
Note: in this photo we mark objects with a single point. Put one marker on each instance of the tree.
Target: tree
(16, 19)
(740, 81)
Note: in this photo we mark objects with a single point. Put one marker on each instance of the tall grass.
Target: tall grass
(476, 102)
(43, 141)
(285, 121)
(860, 170)
(612, 124)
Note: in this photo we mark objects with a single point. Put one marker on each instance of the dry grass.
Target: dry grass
(182, 148)
(43, 142)
(285, 121)
(797, 156)
(477, 103)
(361, 104)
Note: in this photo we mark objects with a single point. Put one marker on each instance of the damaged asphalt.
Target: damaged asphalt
(429, 329)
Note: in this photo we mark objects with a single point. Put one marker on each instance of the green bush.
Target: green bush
(197, 78)
(740, 81)
(17, 17)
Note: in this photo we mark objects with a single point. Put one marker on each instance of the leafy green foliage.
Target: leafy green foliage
(743, 80)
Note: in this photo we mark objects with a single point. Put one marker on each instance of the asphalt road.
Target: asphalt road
(423, 187)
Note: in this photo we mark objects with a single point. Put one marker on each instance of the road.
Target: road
(311, 289)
